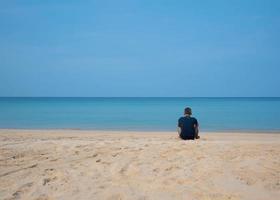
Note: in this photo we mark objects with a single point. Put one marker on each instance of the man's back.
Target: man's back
(187, 125)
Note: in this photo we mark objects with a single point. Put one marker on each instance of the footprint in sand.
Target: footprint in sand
(51, 176)
(49, 169)
(94, 155)
(49, 179)
(172, 168)
(115, 154)
(156, 170)
(22, 190)
(46, 180)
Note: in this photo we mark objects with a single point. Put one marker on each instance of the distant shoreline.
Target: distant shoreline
(116, 131)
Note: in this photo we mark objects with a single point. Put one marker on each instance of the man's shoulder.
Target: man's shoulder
(194, 119)
(181, 118)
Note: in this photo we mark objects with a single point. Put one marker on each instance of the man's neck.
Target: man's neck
(187, 115)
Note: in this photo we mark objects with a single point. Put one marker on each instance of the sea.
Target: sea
(140, 114)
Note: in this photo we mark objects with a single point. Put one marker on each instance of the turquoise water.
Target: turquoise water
(213, 114)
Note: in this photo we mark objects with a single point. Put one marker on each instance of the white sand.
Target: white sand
(124, 165)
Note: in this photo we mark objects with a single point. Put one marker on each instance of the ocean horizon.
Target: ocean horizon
(256, 114)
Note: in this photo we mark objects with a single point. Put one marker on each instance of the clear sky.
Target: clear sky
(140, 48)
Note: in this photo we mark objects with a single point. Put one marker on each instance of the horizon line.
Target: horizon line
(139, 97)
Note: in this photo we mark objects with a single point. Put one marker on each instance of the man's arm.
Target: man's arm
(196, 130)
(179, 129)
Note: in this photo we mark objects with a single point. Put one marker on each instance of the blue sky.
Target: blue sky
(140, 48)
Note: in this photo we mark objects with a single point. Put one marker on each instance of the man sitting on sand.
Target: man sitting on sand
(188, 126)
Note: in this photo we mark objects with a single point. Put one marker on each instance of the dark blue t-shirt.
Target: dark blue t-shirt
(187, 125)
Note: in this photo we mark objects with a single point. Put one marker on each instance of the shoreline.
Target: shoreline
(94, 131)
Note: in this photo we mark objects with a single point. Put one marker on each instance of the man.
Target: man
(188, 126)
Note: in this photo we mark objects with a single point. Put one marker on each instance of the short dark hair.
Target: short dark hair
(188, 111)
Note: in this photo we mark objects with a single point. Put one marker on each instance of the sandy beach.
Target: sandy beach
(73, 164)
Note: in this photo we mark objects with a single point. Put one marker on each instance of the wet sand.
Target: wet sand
(74, 164)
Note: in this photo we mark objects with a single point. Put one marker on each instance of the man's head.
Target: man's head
(188, 111)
